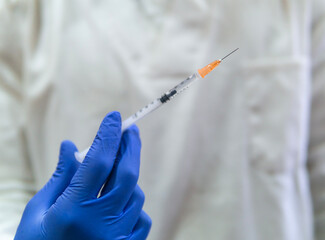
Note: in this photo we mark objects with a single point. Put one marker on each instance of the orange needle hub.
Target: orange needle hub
(207, 69)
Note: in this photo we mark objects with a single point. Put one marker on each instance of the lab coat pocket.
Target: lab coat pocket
(277, 107)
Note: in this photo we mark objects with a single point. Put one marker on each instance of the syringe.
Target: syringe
(155, 104)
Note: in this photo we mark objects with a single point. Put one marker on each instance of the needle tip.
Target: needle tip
(229, 54)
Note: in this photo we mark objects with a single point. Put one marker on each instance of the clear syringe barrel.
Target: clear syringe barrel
(141, 113)
(160, 101)
(150, 107)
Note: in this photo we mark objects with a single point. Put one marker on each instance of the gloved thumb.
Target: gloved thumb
(61, 178)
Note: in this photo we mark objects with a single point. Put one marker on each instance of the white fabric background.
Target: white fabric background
(226, 160)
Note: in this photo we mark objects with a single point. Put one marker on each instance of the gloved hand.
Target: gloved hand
(68, 206)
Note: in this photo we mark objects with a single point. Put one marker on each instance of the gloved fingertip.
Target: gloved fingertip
(67, 161)
(147, 219)
(134, 129)
(132, 132)
(67, 153)
(110, 126)
(67, 146)
(107, 140)
(113, 117)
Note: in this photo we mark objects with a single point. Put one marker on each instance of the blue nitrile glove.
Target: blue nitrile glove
(67, 208)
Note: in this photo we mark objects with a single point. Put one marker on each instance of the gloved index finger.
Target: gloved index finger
(124, 177)
(99, 160)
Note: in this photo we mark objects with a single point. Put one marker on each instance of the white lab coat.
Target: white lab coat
(226, 160)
